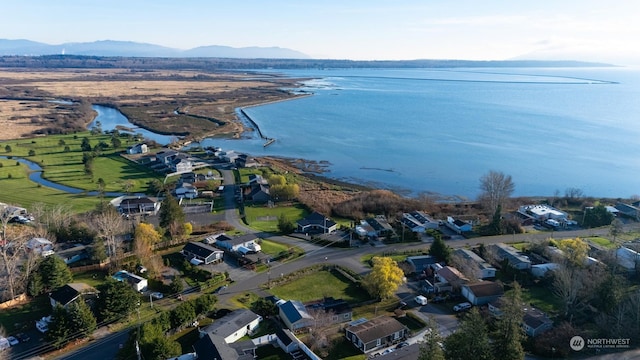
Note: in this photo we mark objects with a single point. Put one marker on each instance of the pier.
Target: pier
(268, 140)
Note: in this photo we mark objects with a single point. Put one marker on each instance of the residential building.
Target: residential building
(202, 252)
(245, 244)
(137, 282)
(512, 255)
(380, 225)
(632, 211)
(449, 278)
(137, 204)
(458, 225)
(483, 292)
(187, 191)
(166, 156)
(419, 222)
(628, 258)
(138, 149)
(181, 164)
(543, 212)
(258, 193)
(534, 321)
(376, 333)
(420, 263)
(540, 270)
(294, 315)
(234, 325)
(287, 341)
(316, 223)
(330, 309)
(483, 269)
(71, 292)
(73, 254)
(40, 246)
(213, 347)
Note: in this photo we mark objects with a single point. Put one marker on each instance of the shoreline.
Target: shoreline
(255, 125)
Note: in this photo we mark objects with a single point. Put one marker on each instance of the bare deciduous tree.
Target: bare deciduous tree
(108, 224)
(467, 267)
(496, 188)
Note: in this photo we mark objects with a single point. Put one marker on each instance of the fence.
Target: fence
(18, 300)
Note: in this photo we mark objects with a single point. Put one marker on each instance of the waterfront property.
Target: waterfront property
(137, 204)
(316, 223)
(419, 222)
(458, 225)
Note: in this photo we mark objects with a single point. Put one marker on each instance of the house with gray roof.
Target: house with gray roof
(203, 252)
(376, 333)
(316, 223)
(482, 268)
(233, 326)
(70, 293)
(515, 258)
(483, 292)
(214, 347)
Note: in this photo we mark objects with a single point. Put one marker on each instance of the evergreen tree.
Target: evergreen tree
(430, 348)
(496, 222)
(117, 299)
(81, 318)
(170, 212)
(86, 145)
(285, 225)
(55, 273)
(439, 249)
(470, 341)
(509, 334)
(60, 328)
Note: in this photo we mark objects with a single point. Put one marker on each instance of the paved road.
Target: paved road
(349, 258)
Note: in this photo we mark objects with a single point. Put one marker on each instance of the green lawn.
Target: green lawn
(264, 218)
(365, 259)
(93, 278)
(19, 190)
(342, 349)
(318, 285)
(605, 243)
(543, 299)
(274, 248)
(22, 318)
(66, 167)
(520, 246)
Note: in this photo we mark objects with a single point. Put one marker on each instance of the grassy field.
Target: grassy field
(274, 248)
(22, 318)
(318, 285)
(264, 218)
(66, 168)
(19, 190)
(605, 243)
(365, 259)
(543, 299)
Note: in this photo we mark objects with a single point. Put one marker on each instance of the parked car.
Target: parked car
(421, 300)
(13, 341)
(220, 289)
(462, 307)
(388, 351)
(402, 344)
(157, 295)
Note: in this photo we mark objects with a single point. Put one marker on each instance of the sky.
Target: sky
(589, 30)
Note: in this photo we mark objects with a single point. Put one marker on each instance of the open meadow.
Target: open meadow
(185, 102)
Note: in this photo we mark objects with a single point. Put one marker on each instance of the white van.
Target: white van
(462, 307)
(421, 300)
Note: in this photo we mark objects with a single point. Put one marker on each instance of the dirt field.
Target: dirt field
(191, 103)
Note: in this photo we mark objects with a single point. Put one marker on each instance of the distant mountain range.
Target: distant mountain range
(135, 49)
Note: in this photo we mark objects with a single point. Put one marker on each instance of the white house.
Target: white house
(138, 149)
(234, 325)
(458, 225)
(137, 282)
(543, 212)
(244, 243)
(187, 191)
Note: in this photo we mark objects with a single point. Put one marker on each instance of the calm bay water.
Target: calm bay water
(440, 130)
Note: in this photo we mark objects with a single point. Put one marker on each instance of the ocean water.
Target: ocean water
(439, 130)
